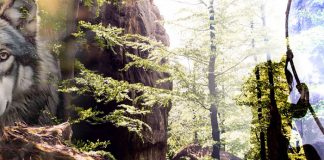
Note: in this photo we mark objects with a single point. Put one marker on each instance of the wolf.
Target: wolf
(28, 71)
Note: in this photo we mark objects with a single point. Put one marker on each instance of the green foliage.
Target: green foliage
(88, 115)
(99, 3)
(190, 114)
(183, 125)
(133, 100)
(106, 89)
(88, 146)
(110, 37)
(249, 98)
(146, 64)
(90, 3)
(106, 36)
(188, 70)
(123, 116)
(120, 119)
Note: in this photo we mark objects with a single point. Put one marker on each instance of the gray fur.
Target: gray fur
(28, 78)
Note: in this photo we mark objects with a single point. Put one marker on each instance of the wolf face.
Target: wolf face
(28, 72)
(18, 61)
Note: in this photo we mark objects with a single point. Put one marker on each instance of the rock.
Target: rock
(143, 18)
(196, 151)
(50, 143)
(137, 17)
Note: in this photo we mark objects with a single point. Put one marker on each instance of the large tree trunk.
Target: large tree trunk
(212, 83)
(276, 141)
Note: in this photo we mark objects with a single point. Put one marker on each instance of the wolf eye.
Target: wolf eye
(4, 56)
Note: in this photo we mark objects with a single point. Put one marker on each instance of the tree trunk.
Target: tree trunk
(259, 96)
(276, 141)
(262, 136)
(212, 83)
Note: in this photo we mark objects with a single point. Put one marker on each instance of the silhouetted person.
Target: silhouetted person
(300, 109)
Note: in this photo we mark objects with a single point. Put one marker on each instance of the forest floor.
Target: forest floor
(50, 143)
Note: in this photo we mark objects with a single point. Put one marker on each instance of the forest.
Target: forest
(161, 79)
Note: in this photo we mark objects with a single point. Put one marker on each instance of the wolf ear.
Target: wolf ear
(21, 14)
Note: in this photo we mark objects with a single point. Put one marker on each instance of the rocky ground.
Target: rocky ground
(38, 143)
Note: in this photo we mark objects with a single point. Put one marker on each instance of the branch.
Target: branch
(202, 105)
(232, 66)
(202, 2)
(193, 58)
(190, 28)
(187, 3)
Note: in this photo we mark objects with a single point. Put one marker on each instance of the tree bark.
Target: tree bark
(262, 136)
(212, 83)
(276, 141)
(259, 96)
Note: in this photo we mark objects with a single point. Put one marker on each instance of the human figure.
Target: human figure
(299, 110)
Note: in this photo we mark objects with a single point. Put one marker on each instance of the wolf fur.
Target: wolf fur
(28, 76)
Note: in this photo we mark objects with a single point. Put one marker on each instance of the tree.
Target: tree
(259, 96)
(212, 83)
(270, 123)
(208, 65)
